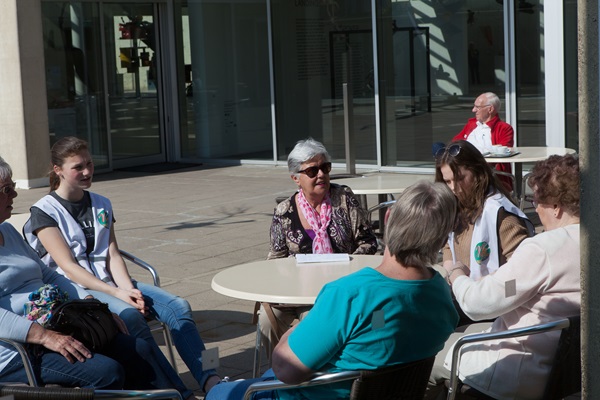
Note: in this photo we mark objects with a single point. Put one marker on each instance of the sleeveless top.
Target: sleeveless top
(95, 261)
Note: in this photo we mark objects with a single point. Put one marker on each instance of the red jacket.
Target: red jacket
(502, 135)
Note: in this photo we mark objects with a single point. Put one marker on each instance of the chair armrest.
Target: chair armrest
(319, 379)
(524, 196)
(380, 206)
(143, 264)
(24, 359)
(156, 394)
(481, 337)
(49, 393)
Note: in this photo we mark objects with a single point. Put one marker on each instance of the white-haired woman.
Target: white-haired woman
(319, 218)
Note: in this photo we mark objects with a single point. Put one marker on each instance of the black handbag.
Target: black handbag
(89, 321)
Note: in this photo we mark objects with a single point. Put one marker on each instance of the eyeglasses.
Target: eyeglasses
(313, 171)
(6, 189)
(480, 107)
(453, 150)
(534, 203)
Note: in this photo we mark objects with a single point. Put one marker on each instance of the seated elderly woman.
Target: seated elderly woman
(319, 218)
(540, 283)
(394, 314)
(57, 358)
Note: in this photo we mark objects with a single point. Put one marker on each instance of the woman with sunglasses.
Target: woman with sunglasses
(72, 230)
(319, 218)
(540, 283)
(489, 225)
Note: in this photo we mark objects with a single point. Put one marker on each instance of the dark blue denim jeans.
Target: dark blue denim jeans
(235, 390)
(130, 363)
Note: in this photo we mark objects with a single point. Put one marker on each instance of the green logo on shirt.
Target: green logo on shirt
(482, 252)
(102, 218)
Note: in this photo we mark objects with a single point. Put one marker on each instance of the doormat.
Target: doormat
(158, 168)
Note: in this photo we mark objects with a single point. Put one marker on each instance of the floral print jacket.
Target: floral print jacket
(349, 230)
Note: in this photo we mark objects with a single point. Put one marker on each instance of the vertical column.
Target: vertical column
(590, 193)
(24, 142)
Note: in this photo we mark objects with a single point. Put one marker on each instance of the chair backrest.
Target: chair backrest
(404, 382)
(565, 375)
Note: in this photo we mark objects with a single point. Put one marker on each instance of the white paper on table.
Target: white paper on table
(322, 258)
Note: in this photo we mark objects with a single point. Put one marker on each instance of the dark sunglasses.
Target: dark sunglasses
(6, 189)
(313, 171)
(453, 150)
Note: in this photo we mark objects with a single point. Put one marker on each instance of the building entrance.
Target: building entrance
(103, 79)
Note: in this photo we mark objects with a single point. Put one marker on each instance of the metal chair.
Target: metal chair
(19, 220)
(565, 374)
(34, 391)
(155, 325)
(379, 228)
(53, 393)
(508, 176)
(405, 381)
(524, 196)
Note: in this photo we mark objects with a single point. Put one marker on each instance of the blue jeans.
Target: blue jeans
(102, 371)
(235, 390)
(143, 369)
(172, 310)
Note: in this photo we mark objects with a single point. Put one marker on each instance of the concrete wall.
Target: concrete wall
(24, 139)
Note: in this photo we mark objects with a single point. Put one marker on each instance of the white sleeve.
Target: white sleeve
(512, 285)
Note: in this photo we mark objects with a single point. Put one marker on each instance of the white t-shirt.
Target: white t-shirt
(481, 137)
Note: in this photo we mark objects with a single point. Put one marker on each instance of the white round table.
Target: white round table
(527, 154)
(531, 154)
(381, 184)
(282, 281)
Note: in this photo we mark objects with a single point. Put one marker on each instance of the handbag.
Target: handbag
(88, 320)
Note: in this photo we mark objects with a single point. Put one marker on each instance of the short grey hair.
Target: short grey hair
(493, 100)
(5, 170)
(305, 150)
(420, 222)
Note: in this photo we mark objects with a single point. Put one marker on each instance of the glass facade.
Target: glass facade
(435, 58)
(224, 68)
(317, 48)
(74, 75)
(530, 76)
(133, 80)
(230, 80)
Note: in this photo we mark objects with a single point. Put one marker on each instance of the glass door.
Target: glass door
(133, 83)
(74, 75)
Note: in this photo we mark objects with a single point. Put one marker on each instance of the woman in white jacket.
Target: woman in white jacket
(540, 283)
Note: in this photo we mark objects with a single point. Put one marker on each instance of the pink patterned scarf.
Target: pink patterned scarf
(318, 222)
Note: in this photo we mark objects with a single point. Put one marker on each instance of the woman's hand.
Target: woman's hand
(133, 297)
(455, 270)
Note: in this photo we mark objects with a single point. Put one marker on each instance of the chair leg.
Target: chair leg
(169, 345)
(257, 351)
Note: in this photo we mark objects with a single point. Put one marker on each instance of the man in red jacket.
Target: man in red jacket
(487, 129)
